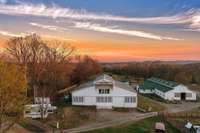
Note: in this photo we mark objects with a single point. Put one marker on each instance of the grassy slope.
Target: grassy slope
(146, 103)
(144, 126)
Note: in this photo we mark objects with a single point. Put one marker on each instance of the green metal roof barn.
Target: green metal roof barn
(160, 84)
(167, 90)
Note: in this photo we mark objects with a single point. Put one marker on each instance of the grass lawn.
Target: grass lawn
(148, 104)
(143, 126)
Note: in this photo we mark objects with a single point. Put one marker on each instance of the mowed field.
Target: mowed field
(143, 126)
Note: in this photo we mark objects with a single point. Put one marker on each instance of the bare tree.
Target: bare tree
(42, 61)
(85, 68)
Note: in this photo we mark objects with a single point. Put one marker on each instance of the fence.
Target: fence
(185, 115)
(182, 118)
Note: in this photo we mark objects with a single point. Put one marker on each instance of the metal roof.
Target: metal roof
(103, 77)
(156, 83)
(108, 78)
(166, 83)
(124, 86)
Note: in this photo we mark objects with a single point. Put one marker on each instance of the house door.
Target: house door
(104, 102)
(183, 95)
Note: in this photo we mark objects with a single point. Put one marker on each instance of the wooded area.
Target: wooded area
(33, 67)
(186, 74)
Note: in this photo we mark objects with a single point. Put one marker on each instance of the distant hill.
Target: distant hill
(178, 62)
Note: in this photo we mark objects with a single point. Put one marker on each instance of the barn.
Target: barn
(167, 90)
(105, 92)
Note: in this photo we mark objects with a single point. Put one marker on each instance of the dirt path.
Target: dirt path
(114, 122)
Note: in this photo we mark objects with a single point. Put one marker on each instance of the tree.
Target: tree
(12, 94)
(183, 77)
(43, 61)
(85, 68)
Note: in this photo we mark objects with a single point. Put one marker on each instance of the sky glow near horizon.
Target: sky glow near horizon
(123, 30)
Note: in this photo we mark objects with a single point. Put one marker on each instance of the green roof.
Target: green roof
(156, 83)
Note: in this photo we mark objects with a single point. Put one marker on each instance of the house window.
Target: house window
(107, 91)
(177, 94)
(188, 94)
(78, 99)
(130, 99)
(101, 91)
(104, 99)
(104, 91)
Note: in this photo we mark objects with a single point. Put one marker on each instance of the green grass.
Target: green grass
(148, 104)
(144, 126)
(198, 98)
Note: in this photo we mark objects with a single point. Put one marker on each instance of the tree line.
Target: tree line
(186, 74)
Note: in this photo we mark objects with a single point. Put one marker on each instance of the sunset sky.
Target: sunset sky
(110, 30)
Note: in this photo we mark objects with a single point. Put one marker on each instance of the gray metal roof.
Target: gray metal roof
(106, 77)
(124, 86)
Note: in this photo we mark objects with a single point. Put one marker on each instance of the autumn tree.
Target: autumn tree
(84, 69)
(43, 61)
(183, 77)
(12, 94)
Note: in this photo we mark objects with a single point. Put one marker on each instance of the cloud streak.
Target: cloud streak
(49, 27)
(191, 17)
(6, 33)
(59, 38)
(9, 34)
(136, 33)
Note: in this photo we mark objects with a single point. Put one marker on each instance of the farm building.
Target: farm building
(105, 92)
(167, 90)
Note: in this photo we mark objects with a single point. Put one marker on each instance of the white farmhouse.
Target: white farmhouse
(105, 92)
(167, 90)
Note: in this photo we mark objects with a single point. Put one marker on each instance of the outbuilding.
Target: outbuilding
(105, 92)
(167, 90)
